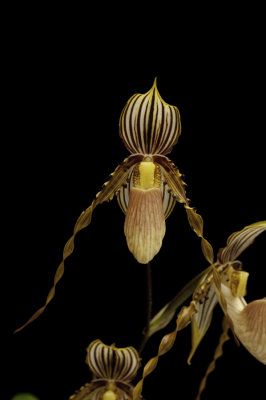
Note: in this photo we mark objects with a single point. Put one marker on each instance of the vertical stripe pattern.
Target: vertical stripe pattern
(148, 125)
(124, 192)
(203, 315)
(239, 241)
(109, 362)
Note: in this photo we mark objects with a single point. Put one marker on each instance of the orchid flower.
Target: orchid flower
(113, 370)
(147, 183)
(226, 283)
(223, 282)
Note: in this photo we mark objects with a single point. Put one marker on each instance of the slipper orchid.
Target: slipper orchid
(224, 282)
(147, 183)
(228, 287)
(113, 370)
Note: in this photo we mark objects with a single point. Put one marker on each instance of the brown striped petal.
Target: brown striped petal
(148, 125)
(239, 241)
(145, 223)
(201, 320)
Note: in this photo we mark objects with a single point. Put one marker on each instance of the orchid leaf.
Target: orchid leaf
(239, 241)
(165, 315)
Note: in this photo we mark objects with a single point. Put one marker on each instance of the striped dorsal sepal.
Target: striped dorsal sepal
(110, 362)
(148, 125)
(113, 370)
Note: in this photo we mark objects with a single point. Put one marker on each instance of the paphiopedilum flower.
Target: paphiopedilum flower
(149, 128)
(147, 183)
(223, 282)
(226, 283)
(113, 370)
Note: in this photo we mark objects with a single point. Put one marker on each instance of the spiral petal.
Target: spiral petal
(109, 189)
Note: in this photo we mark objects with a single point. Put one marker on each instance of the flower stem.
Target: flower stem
(145, 333)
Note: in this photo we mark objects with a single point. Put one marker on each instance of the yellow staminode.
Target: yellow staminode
(109, 395)
(146, 174)
(239, 283)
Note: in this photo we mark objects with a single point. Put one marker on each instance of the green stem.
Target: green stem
(145, 333)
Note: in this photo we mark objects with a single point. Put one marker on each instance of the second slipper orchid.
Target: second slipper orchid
(222, 282)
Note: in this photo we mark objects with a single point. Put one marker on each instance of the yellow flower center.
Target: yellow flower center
(109, 395)
(147, 175)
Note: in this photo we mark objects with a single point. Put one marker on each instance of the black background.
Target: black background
(67, 83)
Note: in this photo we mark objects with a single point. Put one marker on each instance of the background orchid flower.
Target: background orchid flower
(223, 282)
(147, 183)
(113, 370)
(226, 283)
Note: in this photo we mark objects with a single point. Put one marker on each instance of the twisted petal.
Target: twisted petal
(177, 187)
(148, 125)
(205, 297)
(117, 179)
(145, 223)
(165, 315)
(248, 322)
(239, 241)
(167, 342)
(172, 177)
(110, 362)
(217, 354)
(206, 300)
